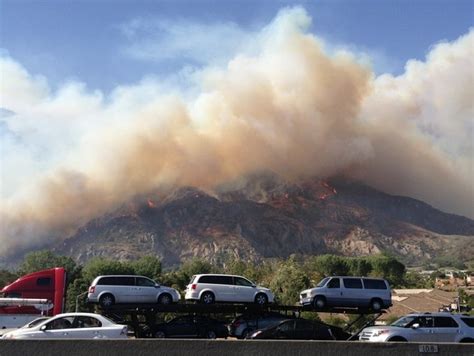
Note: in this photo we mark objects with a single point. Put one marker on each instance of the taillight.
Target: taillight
(193, 286)
(91, 289)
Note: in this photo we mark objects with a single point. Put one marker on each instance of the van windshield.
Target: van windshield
(322, 283)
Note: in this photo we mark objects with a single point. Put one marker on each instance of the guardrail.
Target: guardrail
(227, 347)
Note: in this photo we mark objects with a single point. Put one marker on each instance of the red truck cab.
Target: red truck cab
(48, 284)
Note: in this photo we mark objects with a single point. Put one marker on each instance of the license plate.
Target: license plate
(428, 348)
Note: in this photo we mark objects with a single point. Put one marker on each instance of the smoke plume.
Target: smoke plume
(288, 107)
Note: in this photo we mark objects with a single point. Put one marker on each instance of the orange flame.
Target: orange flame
(151, 203)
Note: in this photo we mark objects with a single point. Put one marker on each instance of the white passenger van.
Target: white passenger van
(360, 292)
(110, 290)
(211, 288)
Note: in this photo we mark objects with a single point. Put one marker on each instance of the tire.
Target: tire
(467, 341)
(165, 299)
(376, 304)
(319, 302)
(397, 339)
(106, 301)
(261, 299)
(208, 298)
(159, 334)
(211, 334)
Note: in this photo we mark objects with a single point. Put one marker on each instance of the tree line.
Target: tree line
(285, 277)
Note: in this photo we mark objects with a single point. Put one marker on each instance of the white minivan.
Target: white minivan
(211, 288)
(359, 292)
(109, 290)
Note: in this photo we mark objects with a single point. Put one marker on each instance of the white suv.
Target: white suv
(427, 327)
(109, 290)
(210, 288)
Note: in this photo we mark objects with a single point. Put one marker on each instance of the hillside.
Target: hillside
(264, 217)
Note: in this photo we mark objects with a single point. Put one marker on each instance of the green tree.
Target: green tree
(149, 266)
(6, 277)
(388, 267)
(44, 259)
(189, 268)
(288, 281)
(359, 266)
(327, 265)
(101, 266)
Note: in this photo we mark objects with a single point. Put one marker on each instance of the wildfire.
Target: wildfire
(151, 203)
(332, 191)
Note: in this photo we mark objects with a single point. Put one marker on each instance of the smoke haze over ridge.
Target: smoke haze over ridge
(288, 107)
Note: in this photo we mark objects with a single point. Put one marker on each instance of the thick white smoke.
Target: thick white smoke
(70, 155)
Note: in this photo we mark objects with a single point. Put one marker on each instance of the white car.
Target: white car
(71, 326)
(211, 288)
(424, 327)
(117, 289)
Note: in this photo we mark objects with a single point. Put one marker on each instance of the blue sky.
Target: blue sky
(88, 41)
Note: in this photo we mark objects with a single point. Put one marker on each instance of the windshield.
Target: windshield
(322, 283)
(403, 322)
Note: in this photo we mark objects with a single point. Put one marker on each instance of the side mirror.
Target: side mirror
(43, 328)
(415, 326)
(254, 286)
(157, 285)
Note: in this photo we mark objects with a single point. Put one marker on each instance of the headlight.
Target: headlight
(380, 332)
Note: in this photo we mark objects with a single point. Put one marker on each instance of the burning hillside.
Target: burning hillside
(269, 217)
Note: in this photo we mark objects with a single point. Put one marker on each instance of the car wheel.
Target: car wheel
(261, 299)
(319, 302)
(160, 334)
(211, 334)
(165, 299)
(207, 298)
(467, 341)
(106, 300)
(397, 339)
(376, 305)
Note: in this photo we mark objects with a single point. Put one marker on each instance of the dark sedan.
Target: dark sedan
(191, 327)
(301, 329)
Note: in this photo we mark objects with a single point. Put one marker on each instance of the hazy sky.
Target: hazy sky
(104, 43)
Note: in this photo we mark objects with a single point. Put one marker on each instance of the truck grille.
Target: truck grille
(365, 335)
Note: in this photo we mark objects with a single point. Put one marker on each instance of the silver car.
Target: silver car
(118, 289)
(427, 327)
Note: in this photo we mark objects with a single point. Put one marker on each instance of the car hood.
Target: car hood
(263, 289)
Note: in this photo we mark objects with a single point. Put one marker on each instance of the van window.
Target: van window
(469, 321)
(334, 283)
(374, 284)
(43, 281)
(445, 322)
(216, 280)
(145, 282)
(239, 281)
(352, 283)
(117, 281)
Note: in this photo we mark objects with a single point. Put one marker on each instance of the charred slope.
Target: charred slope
(266, 217)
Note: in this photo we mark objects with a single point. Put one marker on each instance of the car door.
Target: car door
(304, 330)
(244, 290)
(425, 330)
(147, 290)
(333, 291)
(181, 327)
(286, 330)
(59, 328)
(88, 327)
(352, 295)
(445, 329)
(224, 288)
(124, 289)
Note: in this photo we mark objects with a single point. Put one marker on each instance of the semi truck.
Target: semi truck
(33, 295)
